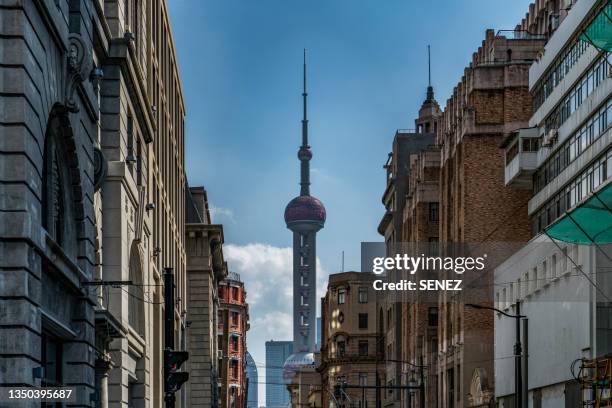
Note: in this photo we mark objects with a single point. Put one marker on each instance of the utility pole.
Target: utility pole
(518, 375)
(168, 330)
(422, 390)
(518, 350)
(173, 379)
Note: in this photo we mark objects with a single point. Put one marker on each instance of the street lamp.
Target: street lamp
(518, 349)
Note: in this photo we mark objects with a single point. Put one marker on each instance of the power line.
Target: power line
(579, 268)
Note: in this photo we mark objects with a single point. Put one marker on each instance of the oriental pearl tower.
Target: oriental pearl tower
(304, 216)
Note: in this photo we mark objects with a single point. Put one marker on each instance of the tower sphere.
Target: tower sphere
(305, 208)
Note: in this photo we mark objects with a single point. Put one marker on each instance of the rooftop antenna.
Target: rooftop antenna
(342, 261)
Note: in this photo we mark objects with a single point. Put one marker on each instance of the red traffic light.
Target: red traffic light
(174, 359)
(174, 379)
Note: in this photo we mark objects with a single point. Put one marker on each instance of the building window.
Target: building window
(51, 356)
(234, 343)
(363, 320)
(363, 348)
(434, 211)
(432, 317)
(54, 206)
(135, 292)
(235, 318)
(363, 295)
(363, 379)
(450, 379)
(341, 296)
(341, 348)
(234, 369)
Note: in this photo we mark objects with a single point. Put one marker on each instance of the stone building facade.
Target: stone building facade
(92, 193)
(49, 193)
(205, 269)
(350, 336)
(233, 324)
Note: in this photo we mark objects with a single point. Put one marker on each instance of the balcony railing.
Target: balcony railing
(520, 35)
(521, 157)
(404, 131)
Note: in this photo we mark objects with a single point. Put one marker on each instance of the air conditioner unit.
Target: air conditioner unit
(550, 138)
(555, 19)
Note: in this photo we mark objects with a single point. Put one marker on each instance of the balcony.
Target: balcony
(521, 157)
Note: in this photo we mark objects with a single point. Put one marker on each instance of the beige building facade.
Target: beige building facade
(351, 347)
(206, 267)
(142, 207)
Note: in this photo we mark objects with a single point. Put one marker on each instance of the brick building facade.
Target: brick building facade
(391, 226)
(491, 100)
(233, 321)
(421, 229)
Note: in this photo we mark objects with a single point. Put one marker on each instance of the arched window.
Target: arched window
(57, 190)
(53, 191)
(136, 292)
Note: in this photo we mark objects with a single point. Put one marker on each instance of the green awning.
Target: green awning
(599, 32)
(590, 222)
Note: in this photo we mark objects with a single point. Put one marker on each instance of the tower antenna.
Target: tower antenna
(428, 65)
(305, 154)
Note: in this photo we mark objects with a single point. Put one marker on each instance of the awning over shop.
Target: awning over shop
(589, 223)
(599, 32)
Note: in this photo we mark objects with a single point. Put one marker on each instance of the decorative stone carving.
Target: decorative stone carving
(100, 168)
(480, 395)
(78, 70)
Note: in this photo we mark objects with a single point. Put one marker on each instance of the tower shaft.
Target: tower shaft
(304, 290)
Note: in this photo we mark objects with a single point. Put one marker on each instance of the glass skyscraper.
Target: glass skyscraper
(253, 379)
(277, 353)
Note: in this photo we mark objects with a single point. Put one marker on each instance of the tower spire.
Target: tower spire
(304, 154)
(305, 103)
(430, 91)
(428, 65)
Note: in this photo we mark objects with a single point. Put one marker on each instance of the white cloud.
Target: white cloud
(323, 175)
(221, 212)
(267, 273)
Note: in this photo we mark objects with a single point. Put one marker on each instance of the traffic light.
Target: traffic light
(174, 379)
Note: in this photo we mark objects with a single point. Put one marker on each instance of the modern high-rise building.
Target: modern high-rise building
(252, 381)
(304, 215)
(277, 353)
(563, 159)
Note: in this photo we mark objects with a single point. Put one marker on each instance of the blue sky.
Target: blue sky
(240, 63)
